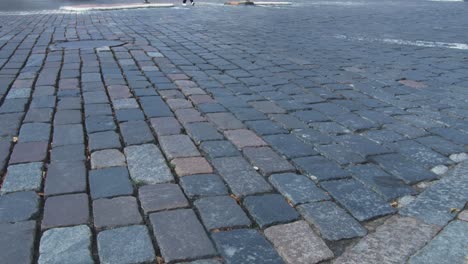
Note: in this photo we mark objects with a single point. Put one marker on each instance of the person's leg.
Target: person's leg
(184, 1)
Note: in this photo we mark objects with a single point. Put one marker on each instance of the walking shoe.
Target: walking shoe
(193, 3)
(184, 4)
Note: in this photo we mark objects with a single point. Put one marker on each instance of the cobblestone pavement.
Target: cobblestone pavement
(320, 132)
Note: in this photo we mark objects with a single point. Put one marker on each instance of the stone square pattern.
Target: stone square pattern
(152, 139)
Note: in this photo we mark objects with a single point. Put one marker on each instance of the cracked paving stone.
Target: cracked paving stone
(180, 235)
(109, 182)
(202, 185)
(240, 176)
(161, 197)
(107, 158)
(17, 242)
(115, 212)
(434, 205)
(407, 170)
(449, 246)
(66, 245)
(146, 164)
(296, 243)
(18, 206)
(264, 209)
(221, 212)
(66, 210)
(298, 189)
(245, 246)
(22, 177)
(65, 177)
(393, 242)
(331, 221)
(358, 199)
(125, 245)
(320, 168)
(267, 161)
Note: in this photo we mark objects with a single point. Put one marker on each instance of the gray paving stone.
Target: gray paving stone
(23, 177)
(420, 153)
(39, 115)
(125, 103)
(441, 145)
(178, 146)
(297, 189)
(154, 106)
(219, 148)
(68, 153)
(17, 242)
(125, 115)
(135, 132)
(125, 245)
(64, 117)
(288, 121)
(164, 126)
(29, 152)
(202, 131)
(180, 235)
(265, 127)
(331, 221)
(225, 121)
(405, 169)
(115, 212)
(341, 154)
(245, 246)
(312, 136)
(360, 201)
(202, 185)
(435, 203)
(66, 245)
(65, 177)
(449, 246)
(221, 212)
(107, 158)
(296, 243)
(103, 140)
(381, 182)
(10, 124)
(320, 168)
(31, 132)
(97, 123)
(204, 261)
(290, 146)
(147, 165)
(393, 242)
(109, 182)
(68, 135)
(18, 206)
(267, 161)
(65, 210)
(264, 209)
(4, 152)
(161, 197)
(240, 176)
(361, 145)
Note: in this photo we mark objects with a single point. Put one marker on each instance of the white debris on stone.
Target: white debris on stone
(440, 169)
(459, 157)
